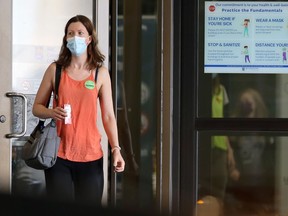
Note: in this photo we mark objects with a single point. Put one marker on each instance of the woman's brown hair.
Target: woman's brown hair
(95, 57)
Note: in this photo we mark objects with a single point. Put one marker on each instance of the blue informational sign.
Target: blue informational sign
(246, 37)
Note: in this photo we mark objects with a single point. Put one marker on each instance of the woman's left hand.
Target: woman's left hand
(118, 161)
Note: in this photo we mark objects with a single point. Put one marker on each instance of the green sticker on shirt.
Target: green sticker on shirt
(90, 84)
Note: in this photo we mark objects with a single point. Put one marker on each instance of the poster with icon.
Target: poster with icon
(246, 37)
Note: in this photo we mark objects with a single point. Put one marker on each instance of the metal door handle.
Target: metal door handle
(24, 119)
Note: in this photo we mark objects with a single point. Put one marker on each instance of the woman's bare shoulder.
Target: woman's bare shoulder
(49, 75)
(51, 67)
(103, 69)
(103, 73)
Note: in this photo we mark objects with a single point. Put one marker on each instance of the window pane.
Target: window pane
(244, 96)
(243, 59)
(137, 81)
(254, 183)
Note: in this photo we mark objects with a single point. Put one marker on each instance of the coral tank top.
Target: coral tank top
(80, 140)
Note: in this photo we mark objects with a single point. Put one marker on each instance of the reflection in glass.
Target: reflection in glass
(137, 78)
(246, 95)
(250, 104)
(26, 181)
(251, 185)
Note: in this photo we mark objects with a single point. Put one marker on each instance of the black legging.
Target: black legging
(79, 181)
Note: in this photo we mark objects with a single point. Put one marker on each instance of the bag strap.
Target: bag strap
(48, 102)
(57, 79)
(96, 73)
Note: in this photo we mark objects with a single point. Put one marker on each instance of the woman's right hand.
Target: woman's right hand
(58, 113)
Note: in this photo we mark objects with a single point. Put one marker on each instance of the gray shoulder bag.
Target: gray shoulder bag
(41, 149)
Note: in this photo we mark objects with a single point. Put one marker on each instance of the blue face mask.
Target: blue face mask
(76, 45)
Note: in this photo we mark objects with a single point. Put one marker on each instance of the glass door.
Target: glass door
(136, 59)
(243, 87)
(31, 34)
(5, 105)
(235, 122)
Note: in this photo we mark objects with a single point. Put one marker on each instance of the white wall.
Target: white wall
(38, 29)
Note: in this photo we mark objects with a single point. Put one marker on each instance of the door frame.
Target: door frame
(100, 10)
(5, 102)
